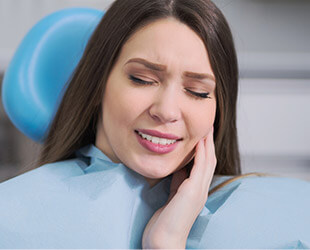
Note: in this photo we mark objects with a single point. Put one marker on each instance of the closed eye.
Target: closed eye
(139, 81)
(199, 95)
(194, 94)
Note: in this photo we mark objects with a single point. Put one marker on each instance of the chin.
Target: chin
(155, 172)
(153, 168)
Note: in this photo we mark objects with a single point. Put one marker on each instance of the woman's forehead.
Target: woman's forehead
(170, 43)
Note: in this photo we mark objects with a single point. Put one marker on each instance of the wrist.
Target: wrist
(163, 241)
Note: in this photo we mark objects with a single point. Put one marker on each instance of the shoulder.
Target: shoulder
(266, 184)
(43, 176)
(249, 211)
(260, 190)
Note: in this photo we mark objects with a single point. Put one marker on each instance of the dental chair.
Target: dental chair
(249, 213)
(35, 80)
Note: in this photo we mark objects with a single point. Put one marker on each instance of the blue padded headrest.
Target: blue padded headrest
(33, 84)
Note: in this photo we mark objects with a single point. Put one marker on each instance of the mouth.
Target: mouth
(157, 144)
(159, 134)
(158, 137)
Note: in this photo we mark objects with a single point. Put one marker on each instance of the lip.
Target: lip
(159, 134)
(156, 148)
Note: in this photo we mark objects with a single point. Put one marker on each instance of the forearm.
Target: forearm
(160, 239)
(165, 242)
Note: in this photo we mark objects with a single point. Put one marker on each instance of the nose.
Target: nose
(165, 107)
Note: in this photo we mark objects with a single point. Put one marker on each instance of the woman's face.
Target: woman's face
(162, 83)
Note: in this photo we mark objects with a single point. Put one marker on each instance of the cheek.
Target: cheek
(201, 120)
(124, 105)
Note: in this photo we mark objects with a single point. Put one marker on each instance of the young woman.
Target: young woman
(147, 120)
(154, 80)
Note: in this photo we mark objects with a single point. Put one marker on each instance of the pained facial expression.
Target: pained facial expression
(152, 86)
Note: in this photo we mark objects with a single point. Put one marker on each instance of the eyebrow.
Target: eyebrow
(161, 68)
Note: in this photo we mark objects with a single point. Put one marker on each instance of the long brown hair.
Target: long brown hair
(75, 122)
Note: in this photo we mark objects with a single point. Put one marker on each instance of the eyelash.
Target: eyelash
(194, 94)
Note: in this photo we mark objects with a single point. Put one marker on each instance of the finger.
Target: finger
(210, 159)
(205, 161)
(199, 160)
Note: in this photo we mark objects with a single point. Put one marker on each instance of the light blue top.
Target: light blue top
(91, 202)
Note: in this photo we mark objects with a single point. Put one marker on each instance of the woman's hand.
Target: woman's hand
(170, 225)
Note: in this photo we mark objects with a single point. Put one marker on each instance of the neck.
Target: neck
(152, 182)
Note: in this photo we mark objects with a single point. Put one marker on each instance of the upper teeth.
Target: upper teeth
(157, 140)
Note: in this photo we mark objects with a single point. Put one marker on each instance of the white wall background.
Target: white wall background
(273, 44)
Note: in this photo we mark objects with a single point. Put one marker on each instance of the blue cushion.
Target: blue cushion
(34, 81)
